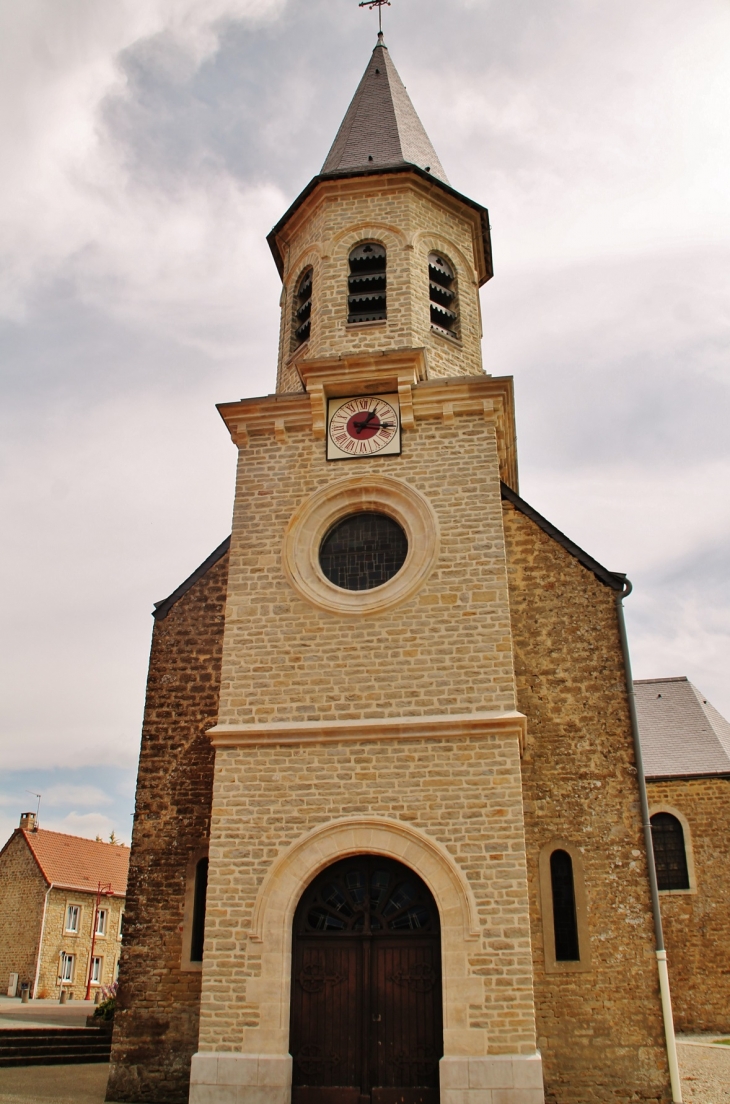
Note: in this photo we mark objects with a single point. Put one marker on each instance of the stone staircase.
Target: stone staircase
(54, 1046)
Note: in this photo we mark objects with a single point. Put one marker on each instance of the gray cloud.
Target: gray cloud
(151, 147)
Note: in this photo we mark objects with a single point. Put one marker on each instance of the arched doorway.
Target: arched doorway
(366, 1022)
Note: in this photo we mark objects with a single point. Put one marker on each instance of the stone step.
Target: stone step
(53, 1046)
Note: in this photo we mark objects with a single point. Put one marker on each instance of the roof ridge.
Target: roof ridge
(163, 607)
(671, 678)
(613, 579)
(70, 835)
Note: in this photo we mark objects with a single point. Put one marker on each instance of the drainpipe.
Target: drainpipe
(40, 942)
(661, 953)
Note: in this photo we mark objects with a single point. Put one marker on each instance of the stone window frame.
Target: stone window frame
(296, 345)
(106, 914)
(454, 336)
(552, 965)
(426, 242)
(63, 958)
(100, 979)
(358, 324)
(186, 963)
(77, 930)
(662, 807)
(348, 238)
(320, 511)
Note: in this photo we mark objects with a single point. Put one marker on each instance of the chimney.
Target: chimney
(28, 822)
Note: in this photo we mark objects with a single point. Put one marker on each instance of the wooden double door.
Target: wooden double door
(366, 1023)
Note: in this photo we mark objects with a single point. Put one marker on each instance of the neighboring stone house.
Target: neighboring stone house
(55, 890)
(686, 747)
(389, 841)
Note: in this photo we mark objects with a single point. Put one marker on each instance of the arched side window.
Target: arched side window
(565, 920)
(442, 296)
(201, 891)
(302, 320)
(670, 854)
(564, 908)
(366, 287)
(193, 927)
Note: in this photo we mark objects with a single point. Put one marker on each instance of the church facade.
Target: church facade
(388, 844)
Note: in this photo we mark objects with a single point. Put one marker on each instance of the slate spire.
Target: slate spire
(381, 127)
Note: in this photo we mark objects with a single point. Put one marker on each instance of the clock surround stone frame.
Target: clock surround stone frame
(355, 494)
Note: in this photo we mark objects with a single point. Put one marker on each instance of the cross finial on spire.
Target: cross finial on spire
(379, 4)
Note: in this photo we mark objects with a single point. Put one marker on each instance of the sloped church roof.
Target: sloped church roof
(381, 128)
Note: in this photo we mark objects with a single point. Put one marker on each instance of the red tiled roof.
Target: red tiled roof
(76, 863)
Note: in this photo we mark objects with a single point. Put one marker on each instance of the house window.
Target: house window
(101, 920)
(121, 924)
(366, 298)
(67, 966)
(442, 296)
(73, 915)
(201, 890)
(96, 969)
(670, 856)
(302, 322)
(565, 920)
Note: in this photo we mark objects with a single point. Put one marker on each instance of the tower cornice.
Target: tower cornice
(446, 399)
(330, 183)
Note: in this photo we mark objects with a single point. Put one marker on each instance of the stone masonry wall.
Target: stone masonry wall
(57, 940)
(464, 793)
(22, 890)
(447, 650)
(697, 924)
(156, 1029)
(600, 1031)
(410, 219)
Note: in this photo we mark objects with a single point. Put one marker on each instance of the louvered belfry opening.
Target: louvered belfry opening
(670, 855)
(303, 308)
(366, 299)
(442, 295)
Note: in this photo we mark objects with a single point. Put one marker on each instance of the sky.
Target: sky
(147, 148)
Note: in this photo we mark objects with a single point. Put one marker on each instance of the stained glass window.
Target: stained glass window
(363, 551)
(670, 857)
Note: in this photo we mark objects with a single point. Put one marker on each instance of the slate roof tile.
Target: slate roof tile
(381, 128)
(681, 734)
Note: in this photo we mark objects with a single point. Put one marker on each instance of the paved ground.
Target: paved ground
(705, 1071)
(705, 1080)
(43, 1013)
(62, 1084)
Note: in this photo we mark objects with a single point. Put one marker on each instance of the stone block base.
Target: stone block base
(266, 1079)
(496, 1079)
(240, 1079)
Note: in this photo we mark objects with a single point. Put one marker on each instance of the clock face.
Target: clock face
(366, 425)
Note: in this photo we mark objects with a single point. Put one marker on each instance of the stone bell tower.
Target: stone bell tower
(368, 738)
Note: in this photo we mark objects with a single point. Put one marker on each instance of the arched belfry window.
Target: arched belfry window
(366, 290)
(302, 322)
(670, 855)
(442, 295)
(565, 919)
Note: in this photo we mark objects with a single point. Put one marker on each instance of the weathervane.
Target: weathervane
(379, 4)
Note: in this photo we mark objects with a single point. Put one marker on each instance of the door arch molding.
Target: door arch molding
(293, 870)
